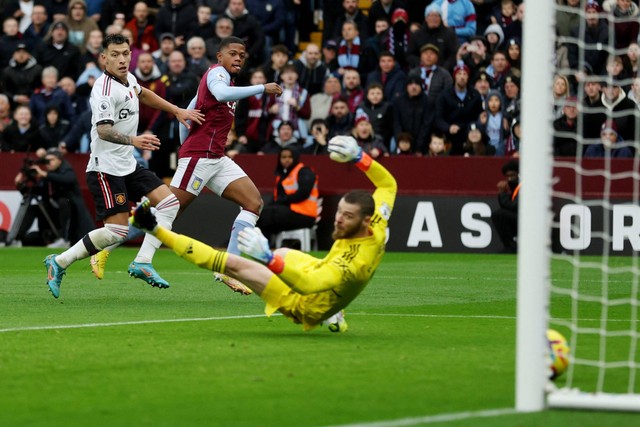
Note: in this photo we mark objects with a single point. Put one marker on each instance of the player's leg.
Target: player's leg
(167, 205)
(112, 206)
(245, 193)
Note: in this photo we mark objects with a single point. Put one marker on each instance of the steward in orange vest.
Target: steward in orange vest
(295, 196)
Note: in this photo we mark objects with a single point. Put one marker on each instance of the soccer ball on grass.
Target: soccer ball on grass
(558, 353)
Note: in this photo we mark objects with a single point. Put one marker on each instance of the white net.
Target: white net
(595, 268)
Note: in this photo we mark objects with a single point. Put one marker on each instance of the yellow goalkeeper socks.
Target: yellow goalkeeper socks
(198, 253)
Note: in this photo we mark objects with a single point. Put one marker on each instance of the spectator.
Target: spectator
(197, 63)
(481, 84)
(252, 120)
(340, 120)
(514, 57)
(58, 52)
(434, 32)
(460, 15)
(248, 28)
(380, 113)
(511, 93)
(405, 145)
(21, 76)
(206, 28)
(319, 138)
(611, 143)
(53, 130)
(149, 77)
(22, 134)
(77, 140)
(564, 137)
(351, 14)
(91, 55)
(374, 45)
(181, 87)
(477, 143)
(111, 8)
(349, 49)
(493, 122)
(633, 56)
(5, 116)
(504, 13)
(624, 14)
(457, 107)
(352, 89)
(284, 138)
(438, 145)
(560, 93)
(389, 75)
(271, 16)
(50, 94)
(142, 28)
(367, 139)
(593, 114)
(223, 29)
(595, 33)
(634, 92)
(512, 145)
(167, 46)
(397, 37)
(330, 56)
(58, 9)
(413, 114)
(295, 196)
(79, 101)
(217, 7)
(475, 54)
(498, 70)
(331, 10)
(9, 40)
(79, 24)
(134, 51)
(39, 28)
(20, 10)
(384, 9)
(495, 37)
(321, 102)
(311, 71)
(567, 19)
(434, 78)
(505, 218)
(279, 58)
(621, 108)
(293, 105)
(514, 30)
(176, 17)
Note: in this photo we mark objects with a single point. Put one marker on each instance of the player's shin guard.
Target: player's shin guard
(198, 253)
(243, 220)
(93, 243)
(166, 212)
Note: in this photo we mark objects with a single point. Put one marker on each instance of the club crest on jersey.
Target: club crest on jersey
(232, 107)
(120, 199)
(197, 183)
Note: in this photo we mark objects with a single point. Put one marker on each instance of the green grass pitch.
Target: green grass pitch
(430, 342)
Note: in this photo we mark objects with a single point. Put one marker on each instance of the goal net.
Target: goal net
(579, 213)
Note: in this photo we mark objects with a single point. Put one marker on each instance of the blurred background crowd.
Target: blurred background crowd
(410, 78)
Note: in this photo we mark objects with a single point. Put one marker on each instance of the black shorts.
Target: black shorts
(113, 194)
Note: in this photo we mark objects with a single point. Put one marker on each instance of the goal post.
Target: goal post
(590, 291)
(534, 208)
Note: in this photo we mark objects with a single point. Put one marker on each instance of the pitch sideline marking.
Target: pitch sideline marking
(430, 419)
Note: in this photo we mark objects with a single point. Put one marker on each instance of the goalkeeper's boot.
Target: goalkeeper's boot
(54, 275)
(146, 272)
(98, 261)
(142, 217)
(233, 284)
(337, 322)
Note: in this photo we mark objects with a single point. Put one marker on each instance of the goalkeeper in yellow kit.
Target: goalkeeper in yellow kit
(303, 288)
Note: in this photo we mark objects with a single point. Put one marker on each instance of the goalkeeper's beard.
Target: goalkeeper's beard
(344, 232)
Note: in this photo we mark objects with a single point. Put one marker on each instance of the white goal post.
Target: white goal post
(534, 392)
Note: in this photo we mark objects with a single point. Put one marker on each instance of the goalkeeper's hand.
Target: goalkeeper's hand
(344, 149)
(252, 242)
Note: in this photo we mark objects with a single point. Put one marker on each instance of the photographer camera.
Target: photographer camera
(62, 198)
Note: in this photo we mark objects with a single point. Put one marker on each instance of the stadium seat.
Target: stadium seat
(308, 237)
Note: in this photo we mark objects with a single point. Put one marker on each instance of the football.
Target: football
(558, 353)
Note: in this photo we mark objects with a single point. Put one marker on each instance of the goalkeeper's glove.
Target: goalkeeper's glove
(252, 242)
(344, 149)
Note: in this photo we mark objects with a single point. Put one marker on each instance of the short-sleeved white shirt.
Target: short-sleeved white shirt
(113, 102)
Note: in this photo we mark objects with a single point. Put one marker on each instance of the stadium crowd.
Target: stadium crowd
(418, 77)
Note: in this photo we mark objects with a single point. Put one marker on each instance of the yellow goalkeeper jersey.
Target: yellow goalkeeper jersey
(322, 287)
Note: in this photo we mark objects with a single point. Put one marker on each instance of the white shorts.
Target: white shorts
(193, 174)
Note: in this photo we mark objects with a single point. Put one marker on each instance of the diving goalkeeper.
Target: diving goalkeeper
(303, 288)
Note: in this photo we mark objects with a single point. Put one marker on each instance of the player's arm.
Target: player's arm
(183, 130)
(151, 99)
(106, 132)
(219, 86)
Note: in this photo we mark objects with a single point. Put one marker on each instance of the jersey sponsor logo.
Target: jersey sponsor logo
(104, 106)
(197, 183)
(125, 113)
(120, 198)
